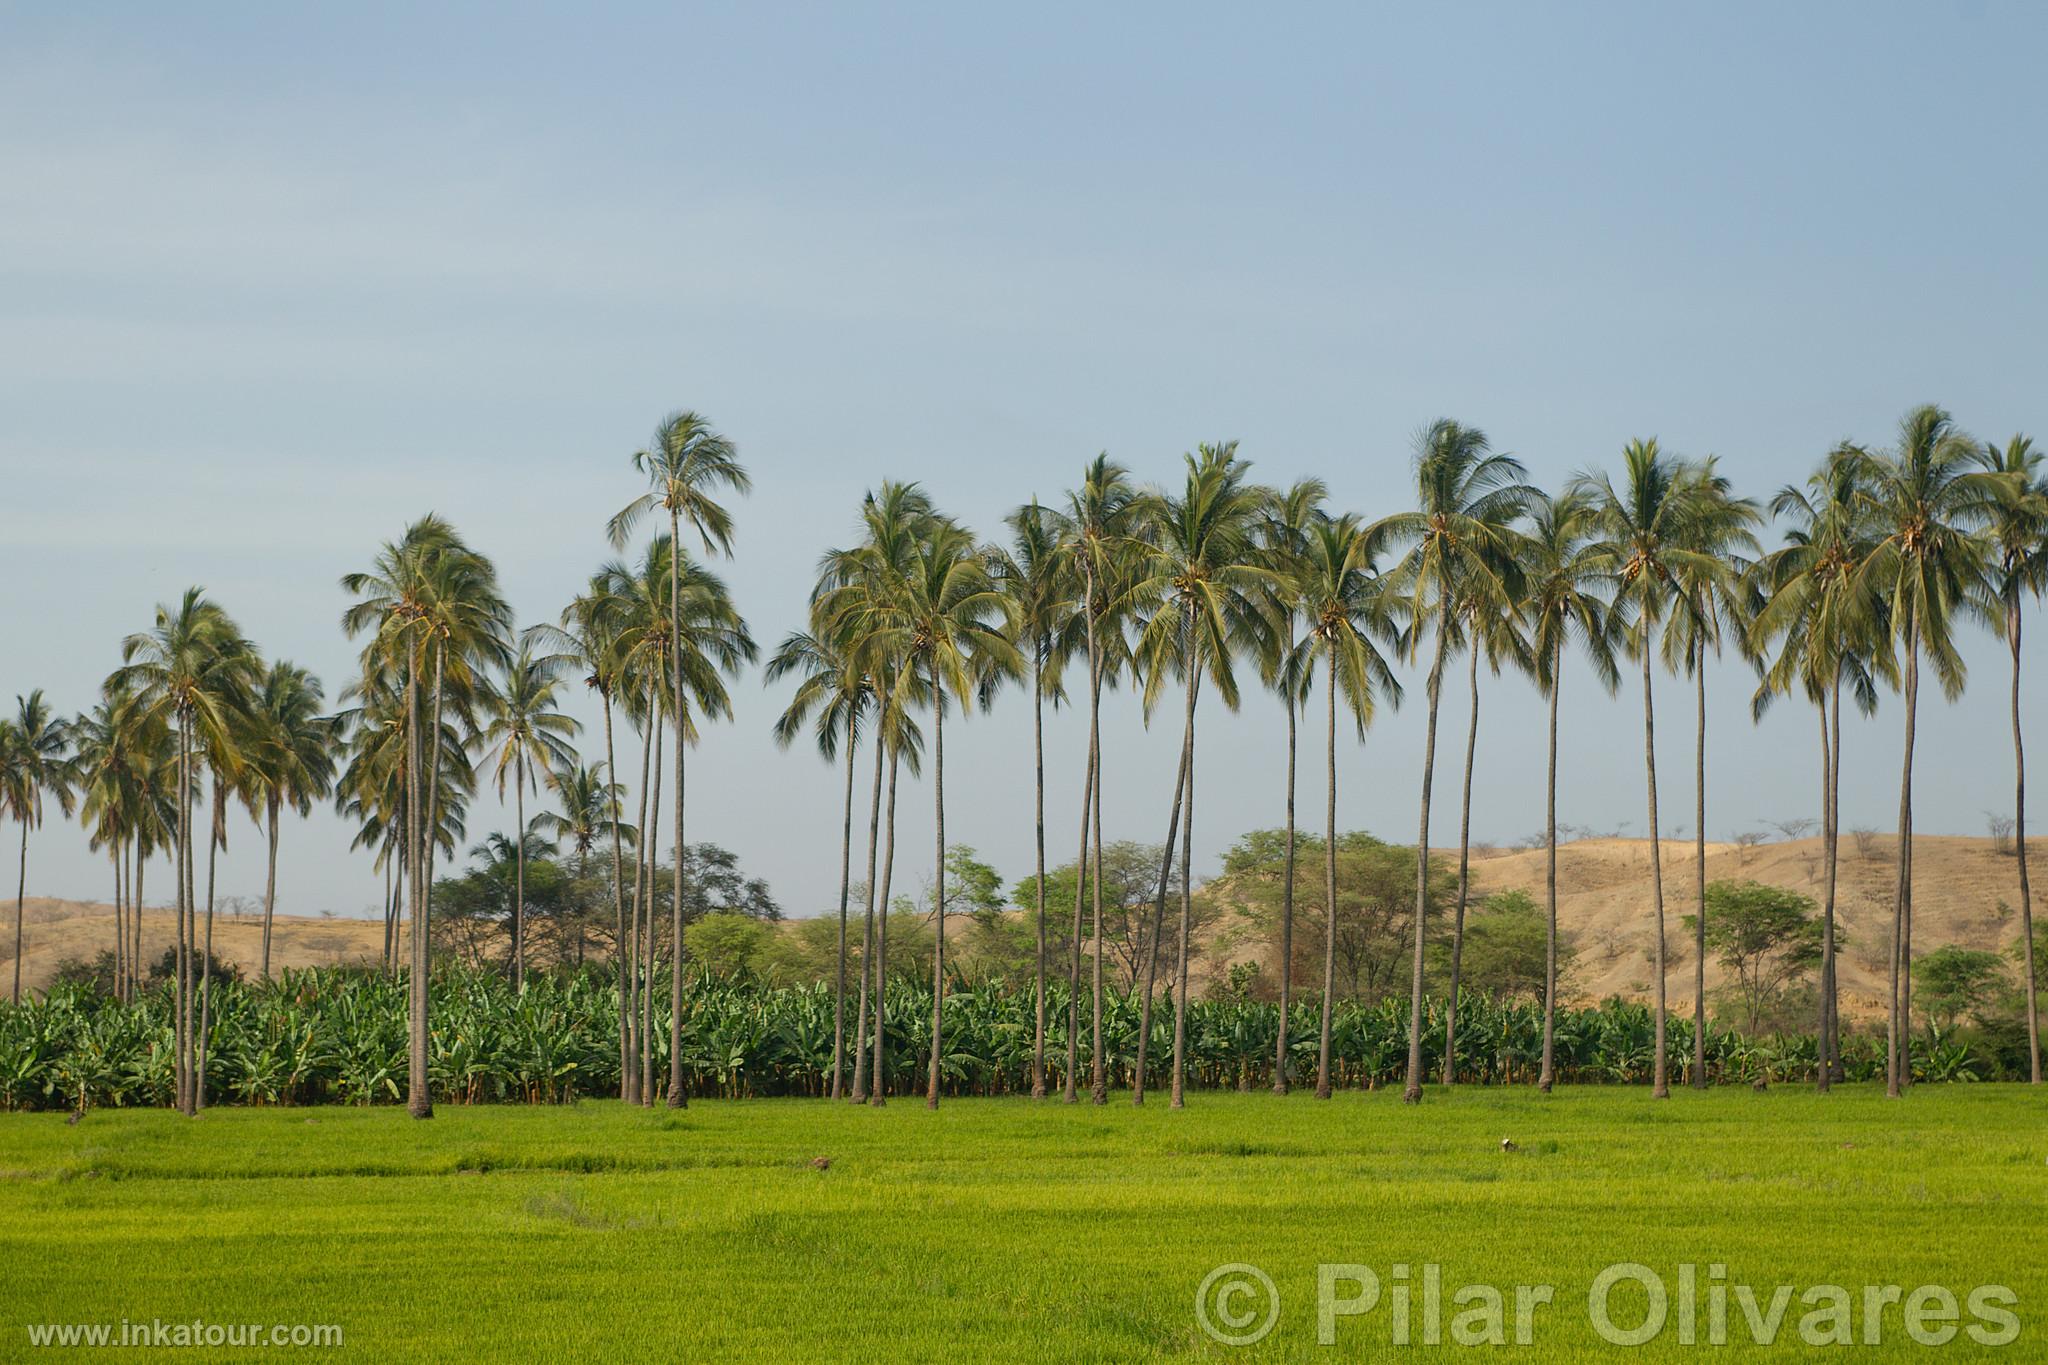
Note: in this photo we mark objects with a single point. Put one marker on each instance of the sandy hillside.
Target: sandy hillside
(1604, 899)
(55, 930)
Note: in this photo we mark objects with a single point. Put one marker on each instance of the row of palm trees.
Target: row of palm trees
(192, 701)
(1655, 564)
(1151, 588)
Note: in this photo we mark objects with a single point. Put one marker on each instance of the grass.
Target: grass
(1003, 1229)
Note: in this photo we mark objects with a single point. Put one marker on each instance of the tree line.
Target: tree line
(1174, 590)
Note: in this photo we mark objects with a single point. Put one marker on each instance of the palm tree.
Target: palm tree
(291, 762)
(1103, 520)
(1491, 626)
(1931, 497)
(426, 596)
(35, 762)
(1828, 633)
(1037, 576)
(686, 464)
(2019, 535)
(526, 737)
(1284, 527)
(948, 619)
(1647, 527)
(585, 814)
(104, 765)
(853, 586)
(191, 673)
(833, 686)
(1560, 600)
(1710, 603)
(1461, 547)
(1344, 603)
(1203, 568)
(667, 592)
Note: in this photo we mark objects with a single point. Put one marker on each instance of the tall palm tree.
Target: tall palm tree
(1646, 527)
(1103, 521)
(1461, 546)
(525, 740)
(104, 766)
(833, 685)
(427, 600)
(947, 622)
(669, 592)
(1037, 575)
(1284, 528)
(35, 763)
(1931, 498)
(1561, 600)
(1827, 632)
(1203, 568)
(192, 673)
(854, 585)
(687, 465)
(1710, 606)
(290, 763)
(2019, 534)
(1493, 627)
(1344, 604)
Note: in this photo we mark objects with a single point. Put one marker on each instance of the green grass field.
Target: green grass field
(1003, 1229)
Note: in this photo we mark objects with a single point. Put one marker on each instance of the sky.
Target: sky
(278, 280)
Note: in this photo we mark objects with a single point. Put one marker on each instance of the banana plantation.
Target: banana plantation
(338, 1035)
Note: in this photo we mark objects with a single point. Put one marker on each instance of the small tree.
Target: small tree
(1951, 982)
(2001, 828)
(1767, 936)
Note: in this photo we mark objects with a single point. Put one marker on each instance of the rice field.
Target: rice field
(1003, 1229)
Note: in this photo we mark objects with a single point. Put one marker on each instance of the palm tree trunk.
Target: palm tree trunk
(1660, 1078)
(931, 1094)
(867, 949)
(878, 1087)
(1548, 1076)
(419, 1099)
(213, 841)
(677, 1099)
(1827, 901)
(1699, 863)
(270, 886)
(629, 1082)
(1099, 1083)
(1464, 874)
(190, 930)
(845, 874)
(1072, 1093)
(1898, 1060)
(2019, 834)
(136, 969)
(1413, 1093)
(1187, 886)
(1323, 1076)
(1286, 916)
(1180, 783)
(1038, 812)
(620, 962)
(120, 927)
(519, 873)
(20, 904)
(652, 851)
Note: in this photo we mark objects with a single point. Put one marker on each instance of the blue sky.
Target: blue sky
(278, 280)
